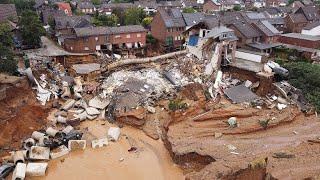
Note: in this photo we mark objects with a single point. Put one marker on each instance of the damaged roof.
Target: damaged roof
(172, 17)
(193, 18)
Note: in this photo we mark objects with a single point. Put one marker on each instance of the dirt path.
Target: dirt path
(151, 161)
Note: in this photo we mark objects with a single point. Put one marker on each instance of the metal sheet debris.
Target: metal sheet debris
(240, 94)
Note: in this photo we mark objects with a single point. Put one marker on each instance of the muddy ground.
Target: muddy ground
(20, 115)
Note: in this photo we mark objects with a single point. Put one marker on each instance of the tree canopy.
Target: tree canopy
(23, 5)
(134, 16)
(189, 10)
(146, 21)
(105, 20)
(7, 62)
(31, 28)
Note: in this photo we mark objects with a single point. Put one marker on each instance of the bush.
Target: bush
(306, 76)
(177, 104)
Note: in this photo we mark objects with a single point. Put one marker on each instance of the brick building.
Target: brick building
(92, 39)
(167, 27)
(211, 6)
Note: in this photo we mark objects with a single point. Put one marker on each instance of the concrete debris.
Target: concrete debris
(74, 145)
(67, 130)
(54, 133)
(240, 94)
(217, 135)
(98, 143)
(37, 135)
(68, 104)
(92, 111)
(28, 143)
(36, 169)
(19, 172)
(59, 152)
(18, 157)
(39, 153)
(61, 119)
(232, 122)
(99, 103)
(114, 133)
(151, 109)
(281, 106)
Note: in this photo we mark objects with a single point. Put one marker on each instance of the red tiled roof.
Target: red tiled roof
(65, 7)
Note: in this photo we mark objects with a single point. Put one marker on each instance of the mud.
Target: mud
(150, 161)
(190, 138)
(20, 115)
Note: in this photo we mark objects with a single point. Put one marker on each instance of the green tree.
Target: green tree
(23, 5)
(146, 21)
(237, 7)
(150, 39)
(96, 2)
(305, 76)
(189, 10)
(31, 28)
(7, 62)
(105, 20)
(134, 16)
(120, 14)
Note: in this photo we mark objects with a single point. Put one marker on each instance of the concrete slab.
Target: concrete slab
(36, 169)
(98, 143)
(77, 145)
(59, 152)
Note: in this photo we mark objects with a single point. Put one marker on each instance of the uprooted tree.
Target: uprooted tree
(7, 62)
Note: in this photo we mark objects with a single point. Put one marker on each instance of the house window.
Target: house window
(117, 36)
(86, 48)
(97, 38)
(128, 35)
(138, 35)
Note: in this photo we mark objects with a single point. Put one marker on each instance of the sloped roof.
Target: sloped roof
(94, 31)
(172, 17)
(302, 36)
(127, 29)
(228, 18)
(310, 12)
(312, 25)
(247, 29)
(255, 15)
(217, 31)
(298, 18)
(8, 12)
(118, 5)
(91, 31)
(65, 6)
(63, 22)
(193, 18)
(267, 28)
(86, 5)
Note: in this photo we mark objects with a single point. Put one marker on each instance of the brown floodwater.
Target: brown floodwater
(150, 161)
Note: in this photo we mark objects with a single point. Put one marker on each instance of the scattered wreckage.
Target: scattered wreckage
(127, 95)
